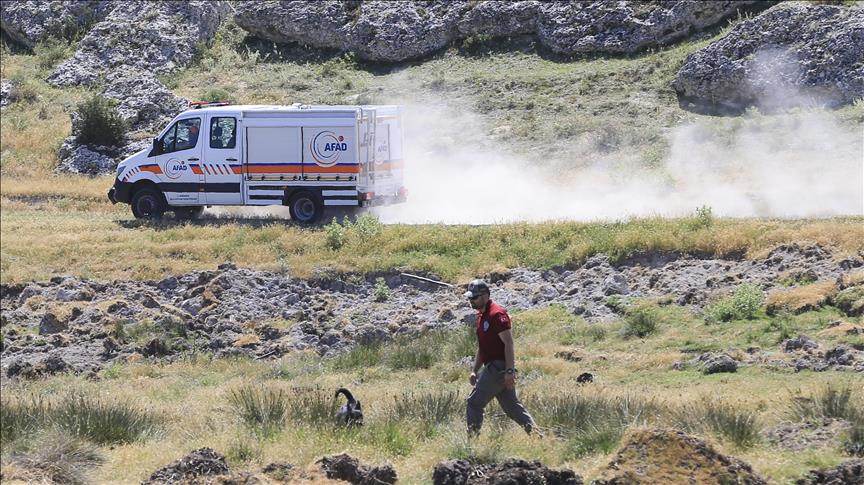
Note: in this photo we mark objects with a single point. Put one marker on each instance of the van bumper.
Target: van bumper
(121, 192)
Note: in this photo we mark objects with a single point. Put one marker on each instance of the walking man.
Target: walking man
(495, 355)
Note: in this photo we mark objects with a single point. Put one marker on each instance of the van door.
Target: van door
(221, 164)
(177, 164)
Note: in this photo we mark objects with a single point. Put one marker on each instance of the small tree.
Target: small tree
(98, 122)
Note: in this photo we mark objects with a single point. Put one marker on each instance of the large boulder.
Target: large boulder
(396, 31)
(144, 103)
(157, 37)
(625, 27)
(650, 456)
(499, 18)
(794, 54)
(30, 22)
(318, 24)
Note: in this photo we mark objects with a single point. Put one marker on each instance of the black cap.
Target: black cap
(476, 287)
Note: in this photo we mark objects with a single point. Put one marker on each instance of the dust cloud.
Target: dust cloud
(790, 165)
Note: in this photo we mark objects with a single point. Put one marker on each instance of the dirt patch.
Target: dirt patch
(652, 456)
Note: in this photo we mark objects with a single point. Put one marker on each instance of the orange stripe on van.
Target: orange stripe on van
(392, 165)
(152, 169)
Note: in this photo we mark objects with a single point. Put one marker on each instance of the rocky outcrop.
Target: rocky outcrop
(847, 473)
(392, 31)
(30, 22)
(157, 37)
(463, 472)
(85, 159)
(204, 462)
(236, 311)
(794, 54)
(144, 103)
(650, 456)
(625, 27)
(346, 467)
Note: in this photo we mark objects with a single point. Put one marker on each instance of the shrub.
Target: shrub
(367, 226)
(382, 291)
(59, 458)
(827, 402)
(81, 415)
(590, 423)
(737, 424)
(853, 438)
(743, 304)
(262, 410)
(103, 422)
(642, 321)
(361, 356)
(99, 123)
(51, 52)
(412, 354)
(434, 407)
(312, 406)
(334, 235)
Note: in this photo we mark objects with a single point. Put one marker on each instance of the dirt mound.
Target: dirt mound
(513, 471)
(346, 467)
(847, 473)
(667, 456)
(201, 462)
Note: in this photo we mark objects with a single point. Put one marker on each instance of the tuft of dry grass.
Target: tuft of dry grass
(801, 299)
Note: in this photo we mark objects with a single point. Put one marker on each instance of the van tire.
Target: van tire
(191, 212)
(305, 208)
(148, 203)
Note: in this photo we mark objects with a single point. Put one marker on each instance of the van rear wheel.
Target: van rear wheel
(148, 203)
(305, 208)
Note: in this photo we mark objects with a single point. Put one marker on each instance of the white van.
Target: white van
(305, 157)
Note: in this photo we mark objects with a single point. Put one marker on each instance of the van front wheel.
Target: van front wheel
(148, 203)
(305, 208)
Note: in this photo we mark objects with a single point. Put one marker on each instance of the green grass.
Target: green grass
(734, 422)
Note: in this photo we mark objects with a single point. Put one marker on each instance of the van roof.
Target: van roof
(234, 108)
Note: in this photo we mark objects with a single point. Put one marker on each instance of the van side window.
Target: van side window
(183, 135)
(223, 132)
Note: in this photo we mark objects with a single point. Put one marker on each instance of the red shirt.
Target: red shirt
(490, 322)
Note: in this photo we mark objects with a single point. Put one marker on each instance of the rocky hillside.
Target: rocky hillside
(784, 55)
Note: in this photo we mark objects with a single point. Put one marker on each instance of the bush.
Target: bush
(51, 52)
(738, 425)
(59, 458)
(81, 415)
(853, 439)
(434, 407)
(99, 123)
(382, 291)
(827, 402)
(743, 304)
(262, 410)
(334, 235)
(367, 226)
(642, 321)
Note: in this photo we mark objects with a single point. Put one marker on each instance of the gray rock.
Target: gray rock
(794, 54)
(30, 22)
(319, 24)
(840, 355)
(615, 284)
(50, 324)
(625, 27)
(156, 37)
(801, 342)
(8, 93)
(370, 334)
(85, 159)
(717, 363)
(399, 30)
(144, 103)
(500, 18)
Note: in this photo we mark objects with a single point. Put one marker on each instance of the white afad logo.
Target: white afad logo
(485, 325)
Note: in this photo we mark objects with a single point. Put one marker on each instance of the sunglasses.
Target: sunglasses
(472, 298)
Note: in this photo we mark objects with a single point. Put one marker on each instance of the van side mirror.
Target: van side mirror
(157, 148)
